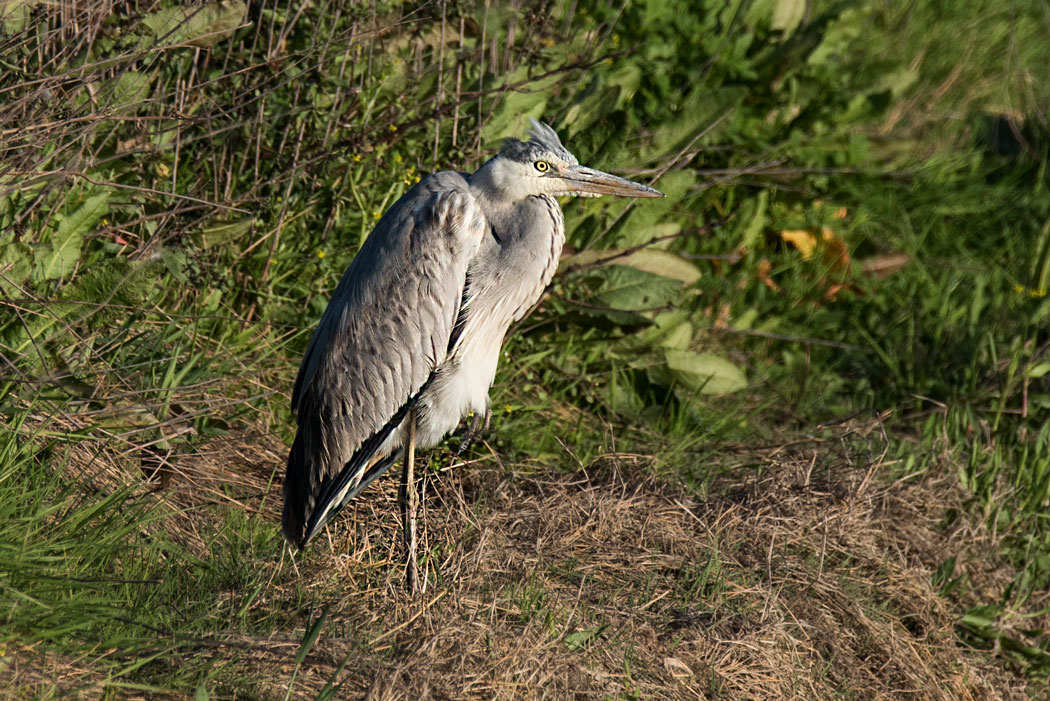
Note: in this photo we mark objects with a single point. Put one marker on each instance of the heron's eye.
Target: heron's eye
(542, 166)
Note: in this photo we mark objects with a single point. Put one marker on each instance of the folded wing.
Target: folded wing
(385, 332)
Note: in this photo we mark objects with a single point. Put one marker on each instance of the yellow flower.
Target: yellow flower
(1034, 293)
(507, 409)
(393, 127)
(357, 158)
(320, 254)
(398, 158)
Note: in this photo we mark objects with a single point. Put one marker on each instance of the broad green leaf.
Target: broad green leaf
(665, 263)
(697, 112)
(58, 257)
(83, 218)
(787, 15)
(623, 400)
(705, 373)
(128, 90)
(14, 14)
(670, 329)
(746, 320)
(1039, 370)
(650, 260)
(16, 263)
(678, 337)
(199, 26)
(589, 109)
(511, 118)
(630, 289)
(225, 232)
(653, 218)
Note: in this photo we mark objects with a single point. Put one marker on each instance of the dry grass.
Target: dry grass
(810, 581)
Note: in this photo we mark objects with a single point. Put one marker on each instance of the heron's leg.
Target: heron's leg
(409, 503)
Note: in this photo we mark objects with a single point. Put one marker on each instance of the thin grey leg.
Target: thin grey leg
(409, 505)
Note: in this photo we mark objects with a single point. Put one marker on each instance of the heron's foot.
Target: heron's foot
(479, 424)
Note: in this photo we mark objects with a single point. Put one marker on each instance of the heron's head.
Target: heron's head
(542, 166)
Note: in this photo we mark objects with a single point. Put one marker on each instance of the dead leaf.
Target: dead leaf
(676, 668)
(885, 265)
(764, 266)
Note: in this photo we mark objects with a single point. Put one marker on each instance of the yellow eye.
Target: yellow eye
(542, 166)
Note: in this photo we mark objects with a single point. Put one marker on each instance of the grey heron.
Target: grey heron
(409, 343)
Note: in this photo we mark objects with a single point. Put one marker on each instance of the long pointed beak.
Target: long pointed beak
(594, 182)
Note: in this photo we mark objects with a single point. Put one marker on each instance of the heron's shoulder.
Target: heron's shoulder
(444, 199)
(446, 179)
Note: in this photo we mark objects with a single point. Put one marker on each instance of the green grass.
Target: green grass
(193, 186)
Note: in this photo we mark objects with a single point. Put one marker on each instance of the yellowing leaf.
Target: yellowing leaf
(801, 239)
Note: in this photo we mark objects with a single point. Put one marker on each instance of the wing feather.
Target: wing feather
(385, 332)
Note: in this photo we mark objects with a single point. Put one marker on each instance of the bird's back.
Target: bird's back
(385, 331)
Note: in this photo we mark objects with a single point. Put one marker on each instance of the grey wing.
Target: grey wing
(386, 330)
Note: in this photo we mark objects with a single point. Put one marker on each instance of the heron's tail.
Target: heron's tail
(312, 494)
(313, 491)
(301, 483)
